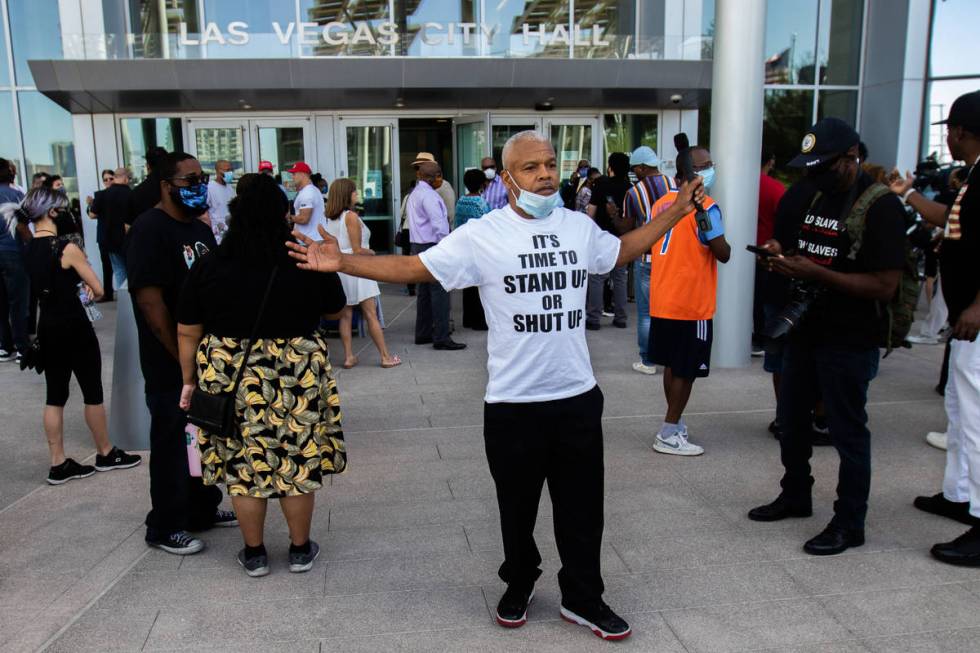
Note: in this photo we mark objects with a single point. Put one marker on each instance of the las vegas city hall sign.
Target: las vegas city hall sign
(335, 33)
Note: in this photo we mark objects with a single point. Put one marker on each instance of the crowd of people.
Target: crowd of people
(231, 284)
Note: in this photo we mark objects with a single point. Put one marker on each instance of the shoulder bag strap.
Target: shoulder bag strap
(250, 343)
(857, 218)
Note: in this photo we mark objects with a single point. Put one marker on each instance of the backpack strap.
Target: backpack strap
(857, 217)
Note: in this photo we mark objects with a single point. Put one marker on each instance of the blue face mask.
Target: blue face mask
(537, 206)
(193, 199)
(708, 177)
(229, 177)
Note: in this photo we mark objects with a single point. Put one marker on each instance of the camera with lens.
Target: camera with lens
(803, 294)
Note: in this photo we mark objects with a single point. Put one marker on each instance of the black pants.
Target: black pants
(431, 308)
(179, 501)
(406, 248)
(560, 441)
(71, 348)
(106, 271)
(840, 376)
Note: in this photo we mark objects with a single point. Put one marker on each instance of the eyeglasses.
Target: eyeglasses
(193, 180)
(703, 166)
(488, 167)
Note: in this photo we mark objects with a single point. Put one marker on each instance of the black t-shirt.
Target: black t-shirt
(160, 252)
(112, 206)
(605, 188)
(145, 196)
(224, 294)
(819, 233)
(959, 260)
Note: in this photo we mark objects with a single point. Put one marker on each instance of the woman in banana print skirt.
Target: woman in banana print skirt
(288, 410)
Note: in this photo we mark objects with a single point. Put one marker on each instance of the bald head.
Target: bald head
(429, 171)
(120, 176)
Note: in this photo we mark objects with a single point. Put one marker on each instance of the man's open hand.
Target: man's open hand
(316, 255)
(795, 267)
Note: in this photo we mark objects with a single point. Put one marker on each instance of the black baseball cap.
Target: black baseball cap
(825, 141)
(964, 113)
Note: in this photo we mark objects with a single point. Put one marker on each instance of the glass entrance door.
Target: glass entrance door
(366, 152)
(574, 139)
(282, 142)
(472, 143)
(503, 127)
(213, 140)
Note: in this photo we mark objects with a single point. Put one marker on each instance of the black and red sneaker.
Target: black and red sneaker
(512, 608)
(600, 619)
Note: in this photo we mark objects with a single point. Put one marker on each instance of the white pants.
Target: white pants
(962, 482)
(938, 313)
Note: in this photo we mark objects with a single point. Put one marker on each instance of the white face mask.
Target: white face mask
(535, 205)
(490, 173)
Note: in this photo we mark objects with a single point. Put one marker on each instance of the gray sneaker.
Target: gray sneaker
(255, 566)
(300, 562)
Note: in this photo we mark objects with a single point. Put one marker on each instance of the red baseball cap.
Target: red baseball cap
(265, 165)
(300, 166)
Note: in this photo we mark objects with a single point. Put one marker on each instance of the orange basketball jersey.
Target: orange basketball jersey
(684, 272)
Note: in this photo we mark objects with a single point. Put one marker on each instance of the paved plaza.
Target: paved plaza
(411, 539)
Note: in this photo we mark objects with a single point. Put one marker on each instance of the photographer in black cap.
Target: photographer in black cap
(959, 264)
(844, 253)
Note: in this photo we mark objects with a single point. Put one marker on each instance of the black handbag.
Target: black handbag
(215, 413)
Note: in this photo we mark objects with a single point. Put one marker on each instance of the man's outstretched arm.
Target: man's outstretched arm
(325, 256)
(641, 240)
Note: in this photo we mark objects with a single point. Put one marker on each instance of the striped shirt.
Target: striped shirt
(495, 194)
(644, 194)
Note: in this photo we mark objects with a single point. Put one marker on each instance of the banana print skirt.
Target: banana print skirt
(289, 412)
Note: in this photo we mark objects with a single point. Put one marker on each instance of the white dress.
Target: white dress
(356, 288)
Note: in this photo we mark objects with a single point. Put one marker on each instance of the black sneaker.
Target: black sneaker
(593, 326)
(68, 471)
(254, 566)
(116, 459)
(300, 562)
(225, 519)
(964, 551)
(600, 619)
(512, 608)
(179, 543)
(7, 356)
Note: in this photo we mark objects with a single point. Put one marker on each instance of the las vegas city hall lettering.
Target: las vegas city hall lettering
(547, 254)
(335, 33)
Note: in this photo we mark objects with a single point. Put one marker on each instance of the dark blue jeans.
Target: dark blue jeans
(178, 500)
(840, 376)
(16, 290)
(431, 308)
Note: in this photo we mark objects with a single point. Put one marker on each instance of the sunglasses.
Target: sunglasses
(105, 179)
(193, 180)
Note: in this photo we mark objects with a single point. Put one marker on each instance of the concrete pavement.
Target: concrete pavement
(411, 539)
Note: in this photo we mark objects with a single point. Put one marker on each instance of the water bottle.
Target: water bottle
(193, 452)
(90, 309)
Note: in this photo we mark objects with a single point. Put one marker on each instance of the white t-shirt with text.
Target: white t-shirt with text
(309, 197)
(533, 278)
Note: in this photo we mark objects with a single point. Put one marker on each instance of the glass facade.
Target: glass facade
(39, 135)
(953, 69)
(812, 69)
(652, 29)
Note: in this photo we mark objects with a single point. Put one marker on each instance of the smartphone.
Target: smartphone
(685, 170)
(759, 251)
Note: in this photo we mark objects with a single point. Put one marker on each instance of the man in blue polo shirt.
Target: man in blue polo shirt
(652, 185)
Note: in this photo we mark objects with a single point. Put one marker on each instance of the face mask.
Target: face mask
(490, 173)
(827, 181)
(583, 172)
(708, 177)
(229, 177)
(192, 199)
(537, 206)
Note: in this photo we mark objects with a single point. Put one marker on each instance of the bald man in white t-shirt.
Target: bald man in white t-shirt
(543, 412)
